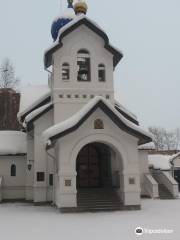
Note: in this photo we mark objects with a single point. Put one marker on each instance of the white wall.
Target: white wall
(143, 167)
(13, 187)
(42, 163)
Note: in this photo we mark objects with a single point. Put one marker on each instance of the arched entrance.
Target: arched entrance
(94, 167)
(98, 177)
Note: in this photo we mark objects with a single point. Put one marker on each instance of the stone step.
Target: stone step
(99, 199)
(164, 193)
(99, 209)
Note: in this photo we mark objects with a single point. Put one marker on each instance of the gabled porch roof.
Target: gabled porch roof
(74, 122)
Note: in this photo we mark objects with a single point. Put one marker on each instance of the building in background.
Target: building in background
(9, 107)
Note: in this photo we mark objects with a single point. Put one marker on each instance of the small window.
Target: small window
(65, 72)
(13, 170)
(50, 179)
(131, 181)
(98, 124)
(83, 62)
(101, 73)
(40, 176)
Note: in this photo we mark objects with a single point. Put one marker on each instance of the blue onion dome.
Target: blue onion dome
(61, 21)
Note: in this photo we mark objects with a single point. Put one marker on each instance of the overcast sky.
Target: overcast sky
(147, 80)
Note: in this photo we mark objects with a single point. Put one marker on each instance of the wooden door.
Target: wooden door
(88, 169)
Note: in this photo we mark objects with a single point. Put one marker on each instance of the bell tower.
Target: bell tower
(82, 61)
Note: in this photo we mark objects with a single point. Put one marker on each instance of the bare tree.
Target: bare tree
(169, 140)
(158, 137)
(177, 137)
(7, 75)
(165, 139)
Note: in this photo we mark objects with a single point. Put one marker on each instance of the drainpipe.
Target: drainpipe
(55, 168)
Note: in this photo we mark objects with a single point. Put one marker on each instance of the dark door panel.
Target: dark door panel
(88, 169)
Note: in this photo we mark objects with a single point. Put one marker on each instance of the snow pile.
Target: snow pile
(159, 161)
(72, 121)
(12, 143)
(36, 112)
(147, 146)
(32, 95)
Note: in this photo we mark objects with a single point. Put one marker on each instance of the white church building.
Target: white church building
(85, 151)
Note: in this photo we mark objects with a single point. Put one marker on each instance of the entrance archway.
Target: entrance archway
(97, 166)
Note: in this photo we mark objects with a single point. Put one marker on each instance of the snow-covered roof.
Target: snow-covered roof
(72, 121)
(36, 112)
(77, 20)
(159, 161)
(12, 143)
(68, 25)
(32, 96)
(124, 109)
(147, 146)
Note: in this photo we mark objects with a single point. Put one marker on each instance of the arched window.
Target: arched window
(98, 124)
(83, 62)
(13, 170)
(101, 73)
(65, 71)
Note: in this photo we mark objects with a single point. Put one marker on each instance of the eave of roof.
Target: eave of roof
(87, 22)
(126, 115)
(42, 101)
(30, 122)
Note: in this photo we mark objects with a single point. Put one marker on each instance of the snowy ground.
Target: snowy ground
(27, 222)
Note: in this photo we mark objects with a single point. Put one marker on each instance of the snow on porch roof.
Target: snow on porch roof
(147, 146)
(124, 109)
(12, 143)
(34, 115)
(69, 27)
(73, 122)
(36, 112)
(31, 97)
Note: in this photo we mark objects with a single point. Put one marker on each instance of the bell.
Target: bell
(83, 71)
